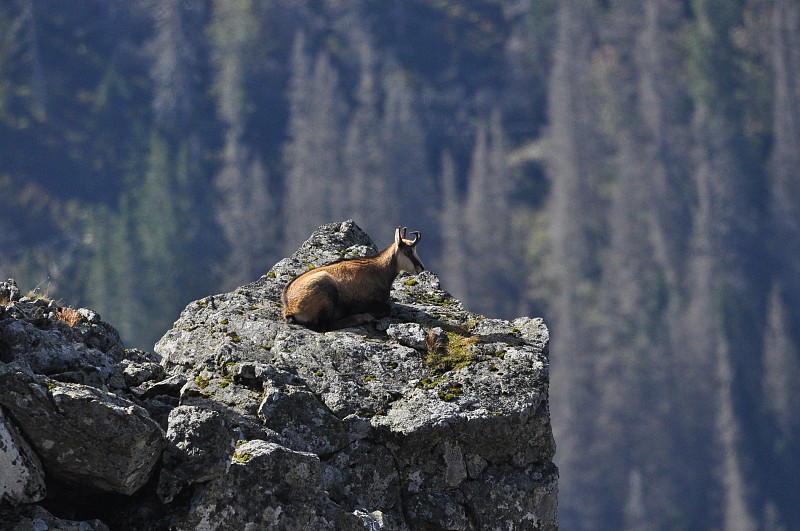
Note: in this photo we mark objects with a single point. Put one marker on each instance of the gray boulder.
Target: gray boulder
(199, 448)
(82, 434)
(80, 441)
(21, 473)
(35, 518)
(67, 344)
(433, 417)
(270, 486)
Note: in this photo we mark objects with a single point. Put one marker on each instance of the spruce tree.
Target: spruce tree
(410, 195)
(452, 263)
(573, 211)
(315, 184)
(175, 58)
(160, 240)
(364, 152)
(245, 206)
(487, 220)
(723, 272)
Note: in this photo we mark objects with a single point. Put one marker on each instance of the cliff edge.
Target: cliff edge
(431, 418)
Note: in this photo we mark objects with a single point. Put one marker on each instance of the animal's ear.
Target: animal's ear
(399, 234)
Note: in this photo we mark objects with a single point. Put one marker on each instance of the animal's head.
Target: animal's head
(407, 259)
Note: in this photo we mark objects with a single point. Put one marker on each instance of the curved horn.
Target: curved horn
(418, 237)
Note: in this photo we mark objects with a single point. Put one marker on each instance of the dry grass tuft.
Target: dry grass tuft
(69, 316)
(434, 343)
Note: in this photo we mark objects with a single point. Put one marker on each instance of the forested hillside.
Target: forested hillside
(629, 170)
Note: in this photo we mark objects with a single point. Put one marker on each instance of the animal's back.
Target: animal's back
(322, 296)
(311, 298)
(359, 282)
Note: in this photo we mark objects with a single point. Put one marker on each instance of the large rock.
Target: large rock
(433, 417)
(35, 518)
(270, 487)
(66, 344)
(199, 448)
(21, 473)
(82, 434)
(72, 411)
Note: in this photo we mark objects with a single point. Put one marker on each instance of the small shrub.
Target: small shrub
(70, 316)
(39, 292)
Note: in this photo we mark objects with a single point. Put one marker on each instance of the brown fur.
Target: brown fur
(349, 292)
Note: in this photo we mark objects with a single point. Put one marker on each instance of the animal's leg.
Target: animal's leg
(327, 314)
(353, 320)
(379, 309)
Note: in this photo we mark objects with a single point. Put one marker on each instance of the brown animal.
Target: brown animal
(350, 292)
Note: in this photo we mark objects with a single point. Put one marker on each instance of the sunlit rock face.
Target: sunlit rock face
(431, 418)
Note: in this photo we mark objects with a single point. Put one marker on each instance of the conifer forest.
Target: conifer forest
(627, 169)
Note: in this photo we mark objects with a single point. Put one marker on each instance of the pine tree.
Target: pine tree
(364, 152)
(160, 242)
(410, 194)
(175, 60)
(245, 210)
(113, 286)
(722, 271)
(315, 189)
(781, 372)
(29, 18)
(573, 211)
(452, 264)
(245, 207)
(781, 358)
(785, 157)
(641, 265)
(660, 96)
(11, 31)
(487, 220)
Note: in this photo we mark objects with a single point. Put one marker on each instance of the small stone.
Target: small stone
(408, 334)
(9, 292)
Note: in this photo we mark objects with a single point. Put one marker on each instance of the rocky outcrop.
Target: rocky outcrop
(431, 418)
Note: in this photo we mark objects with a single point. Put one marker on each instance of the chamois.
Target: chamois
(350, 292)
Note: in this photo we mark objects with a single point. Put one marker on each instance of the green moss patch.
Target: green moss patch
(451, 356)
